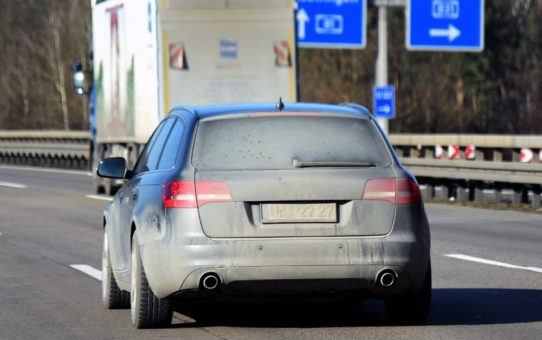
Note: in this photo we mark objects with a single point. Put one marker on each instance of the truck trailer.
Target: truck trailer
(150, 56)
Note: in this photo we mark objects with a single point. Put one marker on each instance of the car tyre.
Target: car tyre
(112, 296)
(411, 308)
(147, 310)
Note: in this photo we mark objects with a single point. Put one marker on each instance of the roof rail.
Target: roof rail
(358, 107)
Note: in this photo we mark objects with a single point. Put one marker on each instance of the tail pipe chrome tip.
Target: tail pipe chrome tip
(210, 281)
(387, 278)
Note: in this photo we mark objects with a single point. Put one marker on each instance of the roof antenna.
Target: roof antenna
(280, 104)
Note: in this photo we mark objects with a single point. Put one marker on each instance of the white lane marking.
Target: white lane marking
(493, 263)
(90, 271)
(13, 185)
(103, 198)
(73, 172)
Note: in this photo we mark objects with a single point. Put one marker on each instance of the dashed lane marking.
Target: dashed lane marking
(103, 198)
(90, 271)
(493, 263)
(13, 185)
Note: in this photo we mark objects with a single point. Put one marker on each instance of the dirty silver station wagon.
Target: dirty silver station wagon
(265, 200)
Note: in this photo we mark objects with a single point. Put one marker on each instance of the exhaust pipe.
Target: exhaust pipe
(210, 281)
(387, 278)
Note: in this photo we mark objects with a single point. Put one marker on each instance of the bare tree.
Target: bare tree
(52, 52)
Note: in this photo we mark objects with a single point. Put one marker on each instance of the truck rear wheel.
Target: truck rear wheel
(104, 186)
(98, 189)
(108, 187)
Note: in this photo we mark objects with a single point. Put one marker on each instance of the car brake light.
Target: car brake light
(285, 114)
(401, 191)
(186, 194)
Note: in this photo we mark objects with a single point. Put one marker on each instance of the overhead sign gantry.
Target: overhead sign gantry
(432, 25)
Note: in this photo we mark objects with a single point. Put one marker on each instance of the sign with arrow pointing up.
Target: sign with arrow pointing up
(331, 23)
(302, 20)
(445, 25)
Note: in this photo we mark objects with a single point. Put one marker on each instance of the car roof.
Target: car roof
(209, 111)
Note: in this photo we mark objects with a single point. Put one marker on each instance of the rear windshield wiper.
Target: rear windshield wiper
(299, 164)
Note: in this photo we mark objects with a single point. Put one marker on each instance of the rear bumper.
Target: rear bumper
(176, 257)
(267, 266)
(299, 280)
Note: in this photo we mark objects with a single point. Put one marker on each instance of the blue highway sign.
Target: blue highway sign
(331, 23)
(384, 101)
(445, 25)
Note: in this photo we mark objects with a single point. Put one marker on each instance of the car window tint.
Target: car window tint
(142, 161)
(272, 143)
(169, 154)
(156, 151)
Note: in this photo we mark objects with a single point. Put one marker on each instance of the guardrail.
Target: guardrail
(496, 162)
(488, 147)
(63, 149)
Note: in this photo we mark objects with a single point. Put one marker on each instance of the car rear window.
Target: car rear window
(272, 143)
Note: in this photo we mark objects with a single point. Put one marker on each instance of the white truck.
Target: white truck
(152, 55)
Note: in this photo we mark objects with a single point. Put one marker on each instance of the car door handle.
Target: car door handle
(121, 196)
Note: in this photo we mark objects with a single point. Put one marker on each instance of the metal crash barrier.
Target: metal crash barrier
(59, 149)
(463, 166)
(460, 166)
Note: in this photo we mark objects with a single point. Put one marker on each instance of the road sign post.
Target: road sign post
(382, 61)
(445, 25)
(332, 24)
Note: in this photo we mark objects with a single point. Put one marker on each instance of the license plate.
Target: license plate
(284, 213)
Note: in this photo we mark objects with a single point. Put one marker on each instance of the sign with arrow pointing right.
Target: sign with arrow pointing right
(445, 25)
(384, 101)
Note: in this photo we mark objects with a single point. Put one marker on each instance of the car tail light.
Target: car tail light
(380, 190)
(187, 194)
(210, 192)
(180, 194)
(399, 191)
(408, 192)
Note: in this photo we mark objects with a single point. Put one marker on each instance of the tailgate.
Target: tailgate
(303, 203)
(292, 175)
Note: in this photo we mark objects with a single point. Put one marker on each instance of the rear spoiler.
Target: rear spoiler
(360, 108)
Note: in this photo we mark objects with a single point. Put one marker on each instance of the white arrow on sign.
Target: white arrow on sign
(302, 19)
(386, 109)
(452, 32)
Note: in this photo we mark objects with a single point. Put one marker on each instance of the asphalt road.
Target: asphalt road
(47, 224)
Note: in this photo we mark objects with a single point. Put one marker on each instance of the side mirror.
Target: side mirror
(78, 78)
(115, 167)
